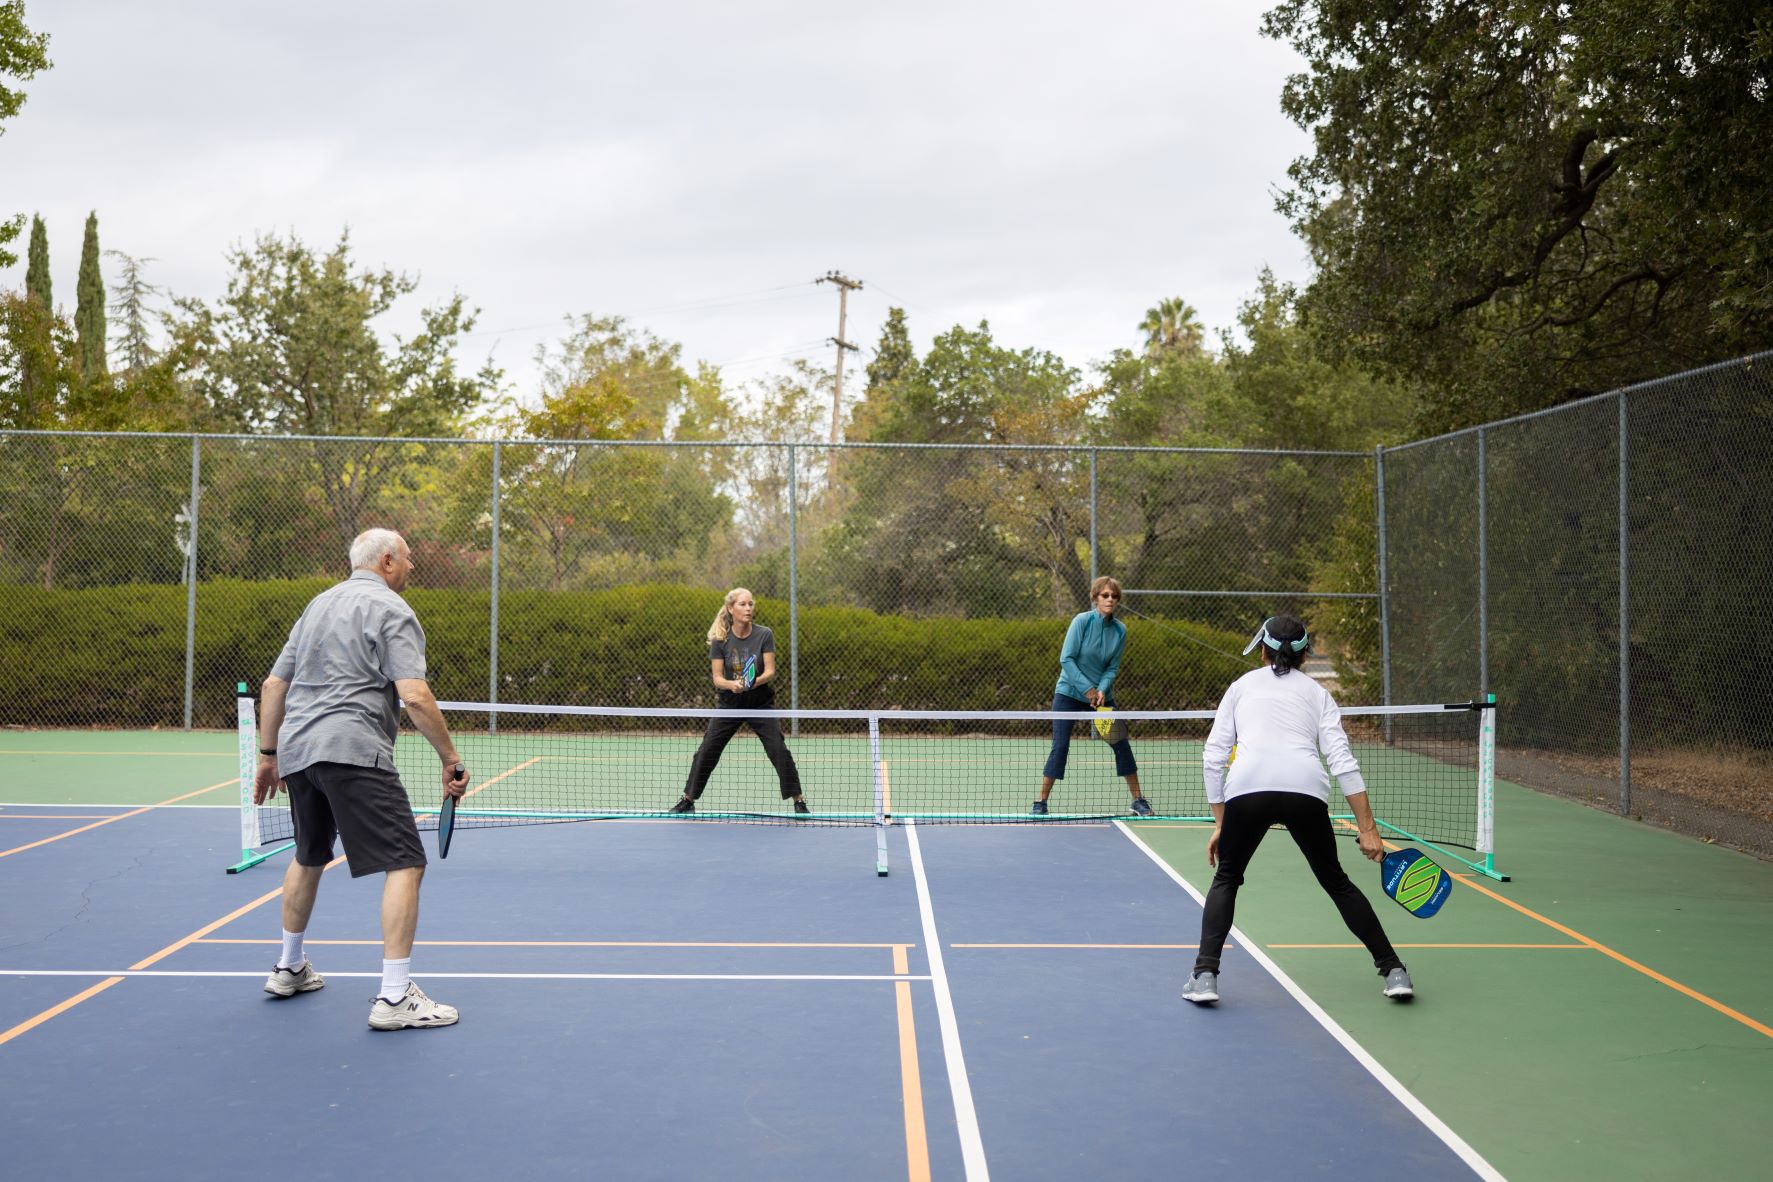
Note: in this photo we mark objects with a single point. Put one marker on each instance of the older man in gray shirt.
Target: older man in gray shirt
(327, 727)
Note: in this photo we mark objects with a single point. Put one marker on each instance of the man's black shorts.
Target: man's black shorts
(365, 806)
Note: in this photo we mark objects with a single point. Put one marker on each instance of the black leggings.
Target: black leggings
(721, 728)
(1307, 818)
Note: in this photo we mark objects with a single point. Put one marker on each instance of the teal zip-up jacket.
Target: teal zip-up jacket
(1091, 656)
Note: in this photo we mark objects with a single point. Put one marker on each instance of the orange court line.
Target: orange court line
(118, 817)
(62, 1007)
(578, 943)
(502, 775)
(32, 1023)
(917, 1142)
(1628, 962)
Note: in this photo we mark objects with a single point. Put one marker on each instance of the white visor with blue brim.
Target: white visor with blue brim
(1262, 637)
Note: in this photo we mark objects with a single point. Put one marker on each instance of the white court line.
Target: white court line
(490, 976)
(1417, 1108)
(972, 1145)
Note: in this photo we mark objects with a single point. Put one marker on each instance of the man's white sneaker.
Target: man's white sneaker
(289, 982)
(411, 1011)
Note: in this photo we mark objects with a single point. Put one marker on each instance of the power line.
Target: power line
(706, 302)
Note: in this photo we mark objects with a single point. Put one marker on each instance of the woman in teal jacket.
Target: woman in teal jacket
(1088, 665)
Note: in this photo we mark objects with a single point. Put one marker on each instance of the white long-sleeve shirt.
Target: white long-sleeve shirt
(1285, 729)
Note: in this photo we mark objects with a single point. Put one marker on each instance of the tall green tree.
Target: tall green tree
(23, 55)
(132, 304)
(1527, 201)
(894, 356)
(38, 284)
(638, 380)
(582, 511)
(89, 307)
(293, 347)
(35, 383)
(36, 361)
(968, 532)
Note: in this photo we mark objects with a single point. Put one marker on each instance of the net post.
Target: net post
(880, 814)
(246, 730)
(1486, 801)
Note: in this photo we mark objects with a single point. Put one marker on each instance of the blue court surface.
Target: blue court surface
(665, 1000)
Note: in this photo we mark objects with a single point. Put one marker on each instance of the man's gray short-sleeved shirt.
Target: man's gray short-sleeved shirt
(352, 643)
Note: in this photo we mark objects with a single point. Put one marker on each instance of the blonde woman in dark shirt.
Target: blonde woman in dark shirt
(742, 665)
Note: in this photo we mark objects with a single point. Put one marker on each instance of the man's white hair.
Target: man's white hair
(370, 545)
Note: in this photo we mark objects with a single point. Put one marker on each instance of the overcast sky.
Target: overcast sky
(1054, 168)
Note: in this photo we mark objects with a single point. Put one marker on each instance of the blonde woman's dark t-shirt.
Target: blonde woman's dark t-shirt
(735, 655)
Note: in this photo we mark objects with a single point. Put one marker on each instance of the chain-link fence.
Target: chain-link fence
(1611, 607)
(1601, 567)
(142, 576)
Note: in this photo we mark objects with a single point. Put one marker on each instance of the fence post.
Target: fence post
(492, 675)
(1483, 525)
(793, 588)
(191, 581)
(1624, 613)
(1092, 516)
(1384, 582)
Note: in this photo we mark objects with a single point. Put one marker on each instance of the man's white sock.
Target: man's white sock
(395, 975)
(292, 950)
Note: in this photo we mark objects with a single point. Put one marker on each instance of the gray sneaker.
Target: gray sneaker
(1142, 807)
(1202, 988)
(1398, 986)
(1038, 809)
(289, 982)
(413, 1010)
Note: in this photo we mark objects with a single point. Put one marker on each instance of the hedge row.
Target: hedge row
(116, 656)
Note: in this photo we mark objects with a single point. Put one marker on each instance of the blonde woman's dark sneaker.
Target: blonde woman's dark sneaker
(1398, 986)
(289, 982)
(1202, 989)
(412, 1011)
(801, 809)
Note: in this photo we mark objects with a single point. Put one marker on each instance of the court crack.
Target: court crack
(86, 903)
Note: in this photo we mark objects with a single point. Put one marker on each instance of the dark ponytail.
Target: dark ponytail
(1286, 632)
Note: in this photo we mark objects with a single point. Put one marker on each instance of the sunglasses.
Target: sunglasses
(1109, 595)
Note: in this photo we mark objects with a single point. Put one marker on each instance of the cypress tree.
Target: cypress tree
(37, 268)
(89, 309)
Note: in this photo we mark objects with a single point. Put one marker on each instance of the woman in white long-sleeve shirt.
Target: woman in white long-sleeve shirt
(1285, 728)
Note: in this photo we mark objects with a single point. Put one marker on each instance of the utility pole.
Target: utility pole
(845, 285)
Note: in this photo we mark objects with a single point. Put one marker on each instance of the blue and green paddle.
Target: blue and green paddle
(1416, 881)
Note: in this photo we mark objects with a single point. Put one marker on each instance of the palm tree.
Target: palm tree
(1172, 327)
